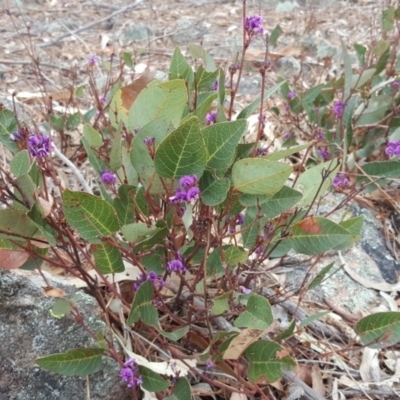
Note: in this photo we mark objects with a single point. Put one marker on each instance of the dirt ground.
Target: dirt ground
(61, 36)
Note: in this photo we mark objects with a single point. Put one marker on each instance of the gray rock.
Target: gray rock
(189, 30)
(288, 66)
(286, 6)
(28, 331)
(134, 33)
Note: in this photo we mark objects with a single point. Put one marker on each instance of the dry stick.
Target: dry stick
(73, 168)
(87, 26)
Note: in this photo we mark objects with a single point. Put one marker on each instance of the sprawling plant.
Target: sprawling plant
(195, 210)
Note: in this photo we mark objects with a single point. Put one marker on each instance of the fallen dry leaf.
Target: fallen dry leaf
(12, 259)
(316, 378)
(241, 342)
(55, 292)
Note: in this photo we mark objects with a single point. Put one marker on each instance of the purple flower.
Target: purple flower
(291, 95)
(215, 86)
(393, 148)
(103, 99)
(253, 25)
(287, 135)
(323, 153)
(148, 141)
(209, 364)
(211, 118)
(179, 197)
(176, 266)
(240, 219)
(341, 181)
(262, 151)
(187, 181)
(16, 136)
(108, 177)
(93, 59)
(193, 194)
(396, 84)
(338, 108)
(39, 145)
(244, 290)
(319, 134)
(130, 373)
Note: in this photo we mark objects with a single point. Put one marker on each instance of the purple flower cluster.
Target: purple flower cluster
(187, 191)
(39, 145)
(253, 25)
(93, 60)
(215, 86)
(211, 118)
(148, 141)
(152, 277)
(244, 290)
(130, 373)
(396, 84)
(338, 108)
(319, 134)
(393, 149)
(324, 154)
(108, 177)
(176, 265)
(291, 95)
(340, 181)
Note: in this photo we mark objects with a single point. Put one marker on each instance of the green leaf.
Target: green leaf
(92, 217)
(275, 205)
(359, 80)
(274, 36)
(384, 169)
(141, 158)
(98, 165)
(265, 362)
(312, 318)
(124, 204)
(20, 164)
(279, 155)
(387, 21)
(139, 230)
(93, 137)
(221, 304)
(142, 307)
(353, 225)
(175, 335)
(375, 110)
(205, 80)
(258, 314)
(152, 382)
(159, 101)
(107, 258)
(57, 123)
(360, 52)
(347, 71)
(25, 189)
(287, 332)
(203, 106)
(251, 227)
(182, 152)
(247, 111)
(116, 152)
(74, 120)
(78, 362)
(213, 190)
(235, 255)
(8, 125)
(259, 176)
(320, 276)
(156, 238)
(379, 330)
(61, 308)
(17, 222)
(198, 52)
(181, 390)
(311, 183)
(221, 140)
(180, 68)
(314, 235)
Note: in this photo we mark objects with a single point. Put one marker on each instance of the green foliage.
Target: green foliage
(245, 208)
(79, 362)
